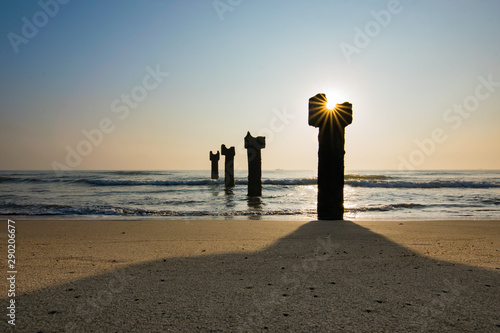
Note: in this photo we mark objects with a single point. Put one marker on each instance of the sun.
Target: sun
(333, 97)
(325, 115)
(330, 104)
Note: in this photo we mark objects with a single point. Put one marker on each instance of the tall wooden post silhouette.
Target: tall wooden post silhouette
(253, 146)
(331, 152)
(228, 165)
(215, 164)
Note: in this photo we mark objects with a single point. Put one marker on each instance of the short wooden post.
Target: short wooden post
(215, 164)
(228, 165)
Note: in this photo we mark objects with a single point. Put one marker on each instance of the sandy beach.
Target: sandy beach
(253, 276)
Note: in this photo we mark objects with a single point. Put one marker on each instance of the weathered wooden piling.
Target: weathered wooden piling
(228, 165)
(253, 146)
(214, 158)
(331, 153)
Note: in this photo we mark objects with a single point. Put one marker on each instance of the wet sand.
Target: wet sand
(252, 276)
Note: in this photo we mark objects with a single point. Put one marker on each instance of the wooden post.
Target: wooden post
(215, 164)
(228, 165)
(253, 146)
(331, 152)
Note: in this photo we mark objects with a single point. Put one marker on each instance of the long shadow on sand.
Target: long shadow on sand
(342, 278)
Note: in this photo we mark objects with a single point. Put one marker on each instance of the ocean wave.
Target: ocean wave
(63, 210)
(301, 181)
(380, 181)
(430, 184)
(384, 208)
(101, 182)
(20, 179)
(55, 209)
(10, 208)
(136, 172)
(105, 210)
(353, 180)
(365, 177)
(5, 179)
(491, 201)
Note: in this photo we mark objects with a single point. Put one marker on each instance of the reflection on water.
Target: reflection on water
(254, 203)
(255, 207)
(214, 189)
(229, 197)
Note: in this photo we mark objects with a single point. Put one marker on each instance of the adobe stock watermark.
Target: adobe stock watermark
(293, 278)
(372, 29)
(436, 309)
(454, 117)
(30, 27)
(121, 107)
(223, 6)
(88, 310)
(277, 124)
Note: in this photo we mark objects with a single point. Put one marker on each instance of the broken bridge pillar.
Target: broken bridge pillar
(228, 165)
(331, 152)
(253, 146)
(215, 164)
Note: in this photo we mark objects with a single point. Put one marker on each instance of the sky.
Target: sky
(157, 85)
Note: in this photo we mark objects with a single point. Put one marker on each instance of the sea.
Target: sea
(286, 195)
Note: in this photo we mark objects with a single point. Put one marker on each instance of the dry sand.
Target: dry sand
(255, 276)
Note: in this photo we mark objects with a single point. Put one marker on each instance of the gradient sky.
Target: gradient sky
(408, 68)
